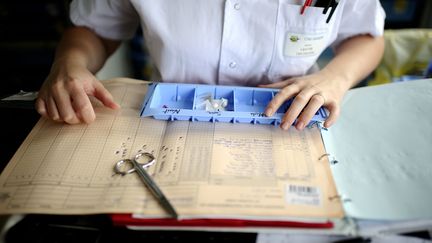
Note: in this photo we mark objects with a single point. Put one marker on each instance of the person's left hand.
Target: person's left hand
(310, 92)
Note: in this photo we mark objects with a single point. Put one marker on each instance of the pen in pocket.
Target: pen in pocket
(326, 4)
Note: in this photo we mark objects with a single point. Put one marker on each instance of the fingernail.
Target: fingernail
(300, 125)
(116, 106)
(268, 112)
(87, 115)
(285, 126)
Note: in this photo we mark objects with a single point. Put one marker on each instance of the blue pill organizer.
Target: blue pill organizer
(214, 103)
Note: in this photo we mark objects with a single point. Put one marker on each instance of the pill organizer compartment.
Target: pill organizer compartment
(179, 97)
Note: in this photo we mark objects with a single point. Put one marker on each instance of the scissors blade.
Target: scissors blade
(154, 189)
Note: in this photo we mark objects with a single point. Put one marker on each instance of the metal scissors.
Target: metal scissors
(128, 166)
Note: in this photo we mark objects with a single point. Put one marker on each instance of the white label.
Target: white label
(303, 45)
(303, 195)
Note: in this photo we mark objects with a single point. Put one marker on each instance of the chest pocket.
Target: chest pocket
(299, 39)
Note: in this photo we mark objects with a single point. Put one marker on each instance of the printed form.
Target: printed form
(215, 170)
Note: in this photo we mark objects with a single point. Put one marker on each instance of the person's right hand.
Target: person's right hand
(64, 96)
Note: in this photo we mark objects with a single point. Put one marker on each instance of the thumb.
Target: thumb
(102, 94)
(334, 110)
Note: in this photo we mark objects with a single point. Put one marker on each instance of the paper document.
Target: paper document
(382, 143)
(205, 169)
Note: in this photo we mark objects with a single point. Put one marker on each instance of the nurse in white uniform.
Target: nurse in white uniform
(268, 43)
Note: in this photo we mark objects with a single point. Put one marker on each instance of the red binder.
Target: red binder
(128, 220)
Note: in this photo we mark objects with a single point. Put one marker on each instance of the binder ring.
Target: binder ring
(332, 160)
(319, 124)
(340, 197)
(322, 156)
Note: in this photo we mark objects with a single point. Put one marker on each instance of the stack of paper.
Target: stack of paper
(375, 165)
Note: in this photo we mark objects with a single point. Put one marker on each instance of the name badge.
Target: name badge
(304, 45)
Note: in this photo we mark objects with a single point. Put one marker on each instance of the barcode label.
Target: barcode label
(302, 195)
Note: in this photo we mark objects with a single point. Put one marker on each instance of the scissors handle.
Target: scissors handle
(154, 189)
(120, 166)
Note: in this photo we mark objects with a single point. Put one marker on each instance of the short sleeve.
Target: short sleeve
(111, 19)
(360, 17)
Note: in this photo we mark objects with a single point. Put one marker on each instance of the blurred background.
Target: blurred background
(30, 31)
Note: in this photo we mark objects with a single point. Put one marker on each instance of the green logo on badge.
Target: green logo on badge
(294, 38)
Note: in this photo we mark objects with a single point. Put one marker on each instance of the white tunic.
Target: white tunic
(229, 42)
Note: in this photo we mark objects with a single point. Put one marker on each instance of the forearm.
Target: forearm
(355, 59)
(81, 46)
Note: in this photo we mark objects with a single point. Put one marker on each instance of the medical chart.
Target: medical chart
(205, 169)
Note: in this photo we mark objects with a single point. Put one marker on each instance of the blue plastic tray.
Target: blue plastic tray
(187, 102)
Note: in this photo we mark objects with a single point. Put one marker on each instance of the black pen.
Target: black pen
(332, 4)
(327, 4)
